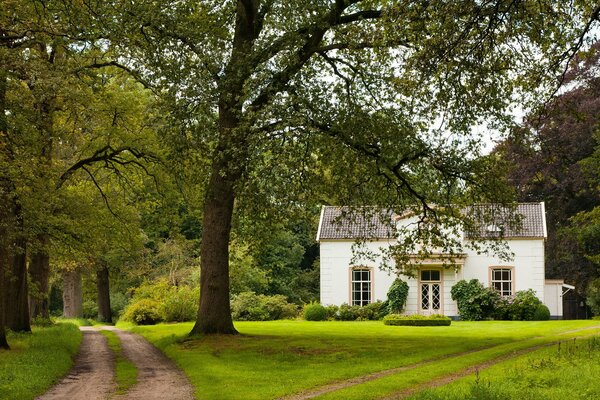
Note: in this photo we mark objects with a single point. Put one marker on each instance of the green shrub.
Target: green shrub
(416, 320)
(593, 296)
(143, 312)
(90, 309)
(475, 302)
(522, 306)
(315, 312)
(397, 296)
(181, 304)
(332, 311)
(41, 321)
(248, 306)
(348, 313)
(542, 313)
(372, 311)
(118, 302)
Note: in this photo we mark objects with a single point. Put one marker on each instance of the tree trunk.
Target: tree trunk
(39, 272)
(17, 304)
(3, 262)
(72, 295)
(214, 314)
(103, 286)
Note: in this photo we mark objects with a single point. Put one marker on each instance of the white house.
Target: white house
(363, 281)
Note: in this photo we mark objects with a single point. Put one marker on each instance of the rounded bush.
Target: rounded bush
(315, 312)
(542, 313)
(523, 306)
(143, 312)
(249, 306)
(348, 313)
(181, 304)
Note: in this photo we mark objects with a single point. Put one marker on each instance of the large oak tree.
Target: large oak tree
(374, 100)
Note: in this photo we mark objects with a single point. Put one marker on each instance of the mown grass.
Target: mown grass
(277, 358)
(125, 371)
(570, 370)
(37, 360)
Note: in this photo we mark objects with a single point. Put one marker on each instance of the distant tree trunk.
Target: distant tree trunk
(72, 295)
(39, 272)
(3, 262)
(17, 303)
(103, 286)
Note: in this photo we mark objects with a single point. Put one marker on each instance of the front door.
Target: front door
(431, 291)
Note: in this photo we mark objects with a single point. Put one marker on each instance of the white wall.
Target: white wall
(528, 271)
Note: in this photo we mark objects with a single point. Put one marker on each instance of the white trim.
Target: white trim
(544, 219)
(320, 222)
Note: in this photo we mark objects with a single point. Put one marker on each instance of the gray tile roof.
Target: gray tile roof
(355, 223)
(372, 223)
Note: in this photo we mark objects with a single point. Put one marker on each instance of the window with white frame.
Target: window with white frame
(502, 280)
(361, 286)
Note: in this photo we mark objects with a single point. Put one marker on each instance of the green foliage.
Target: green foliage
(593, 296)
(416, 320)
(542, 313)
(42, 322)
(181, 304)
(315, 312)
(475, 302)
(397, 296)
(521, 307)
(372, 311)
(143, 312)
(347, 312)
(332, 311)
(90, 309)
(249, 306)
(118, 302)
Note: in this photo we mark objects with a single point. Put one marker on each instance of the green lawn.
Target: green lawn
(37, 360)
(272, 359)
(570, 371)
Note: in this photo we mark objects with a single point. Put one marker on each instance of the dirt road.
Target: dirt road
(92, 376)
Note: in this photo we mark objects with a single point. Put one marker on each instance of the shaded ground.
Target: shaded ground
(92, 376)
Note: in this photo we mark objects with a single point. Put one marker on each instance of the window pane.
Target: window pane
(506, 274)
(426, 275)
(365, 276)
(435, 275)
(356, 275)
(365, 286)
(498, 286)
(496, 274)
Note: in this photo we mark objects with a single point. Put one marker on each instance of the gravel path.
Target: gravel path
(92, 376)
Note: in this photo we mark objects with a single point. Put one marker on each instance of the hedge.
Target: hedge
(416, 320)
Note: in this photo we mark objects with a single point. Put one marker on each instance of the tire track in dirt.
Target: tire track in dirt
(158, 377)
(92, 376)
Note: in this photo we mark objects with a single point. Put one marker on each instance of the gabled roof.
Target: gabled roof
(372, 223)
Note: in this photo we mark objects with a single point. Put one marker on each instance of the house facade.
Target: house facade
(346, 277)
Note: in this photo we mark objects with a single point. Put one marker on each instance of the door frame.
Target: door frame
(419, 294)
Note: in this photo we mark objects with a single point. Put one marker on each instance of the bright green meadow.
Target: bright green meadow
(277, 358)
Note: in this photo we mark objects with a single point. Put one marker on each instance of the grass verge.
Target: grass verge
(37, 360)
(569, 370)
(125, 370)
(277, 358)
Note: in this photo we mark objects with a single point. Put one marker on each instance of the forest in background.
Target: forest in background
(129, 131)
